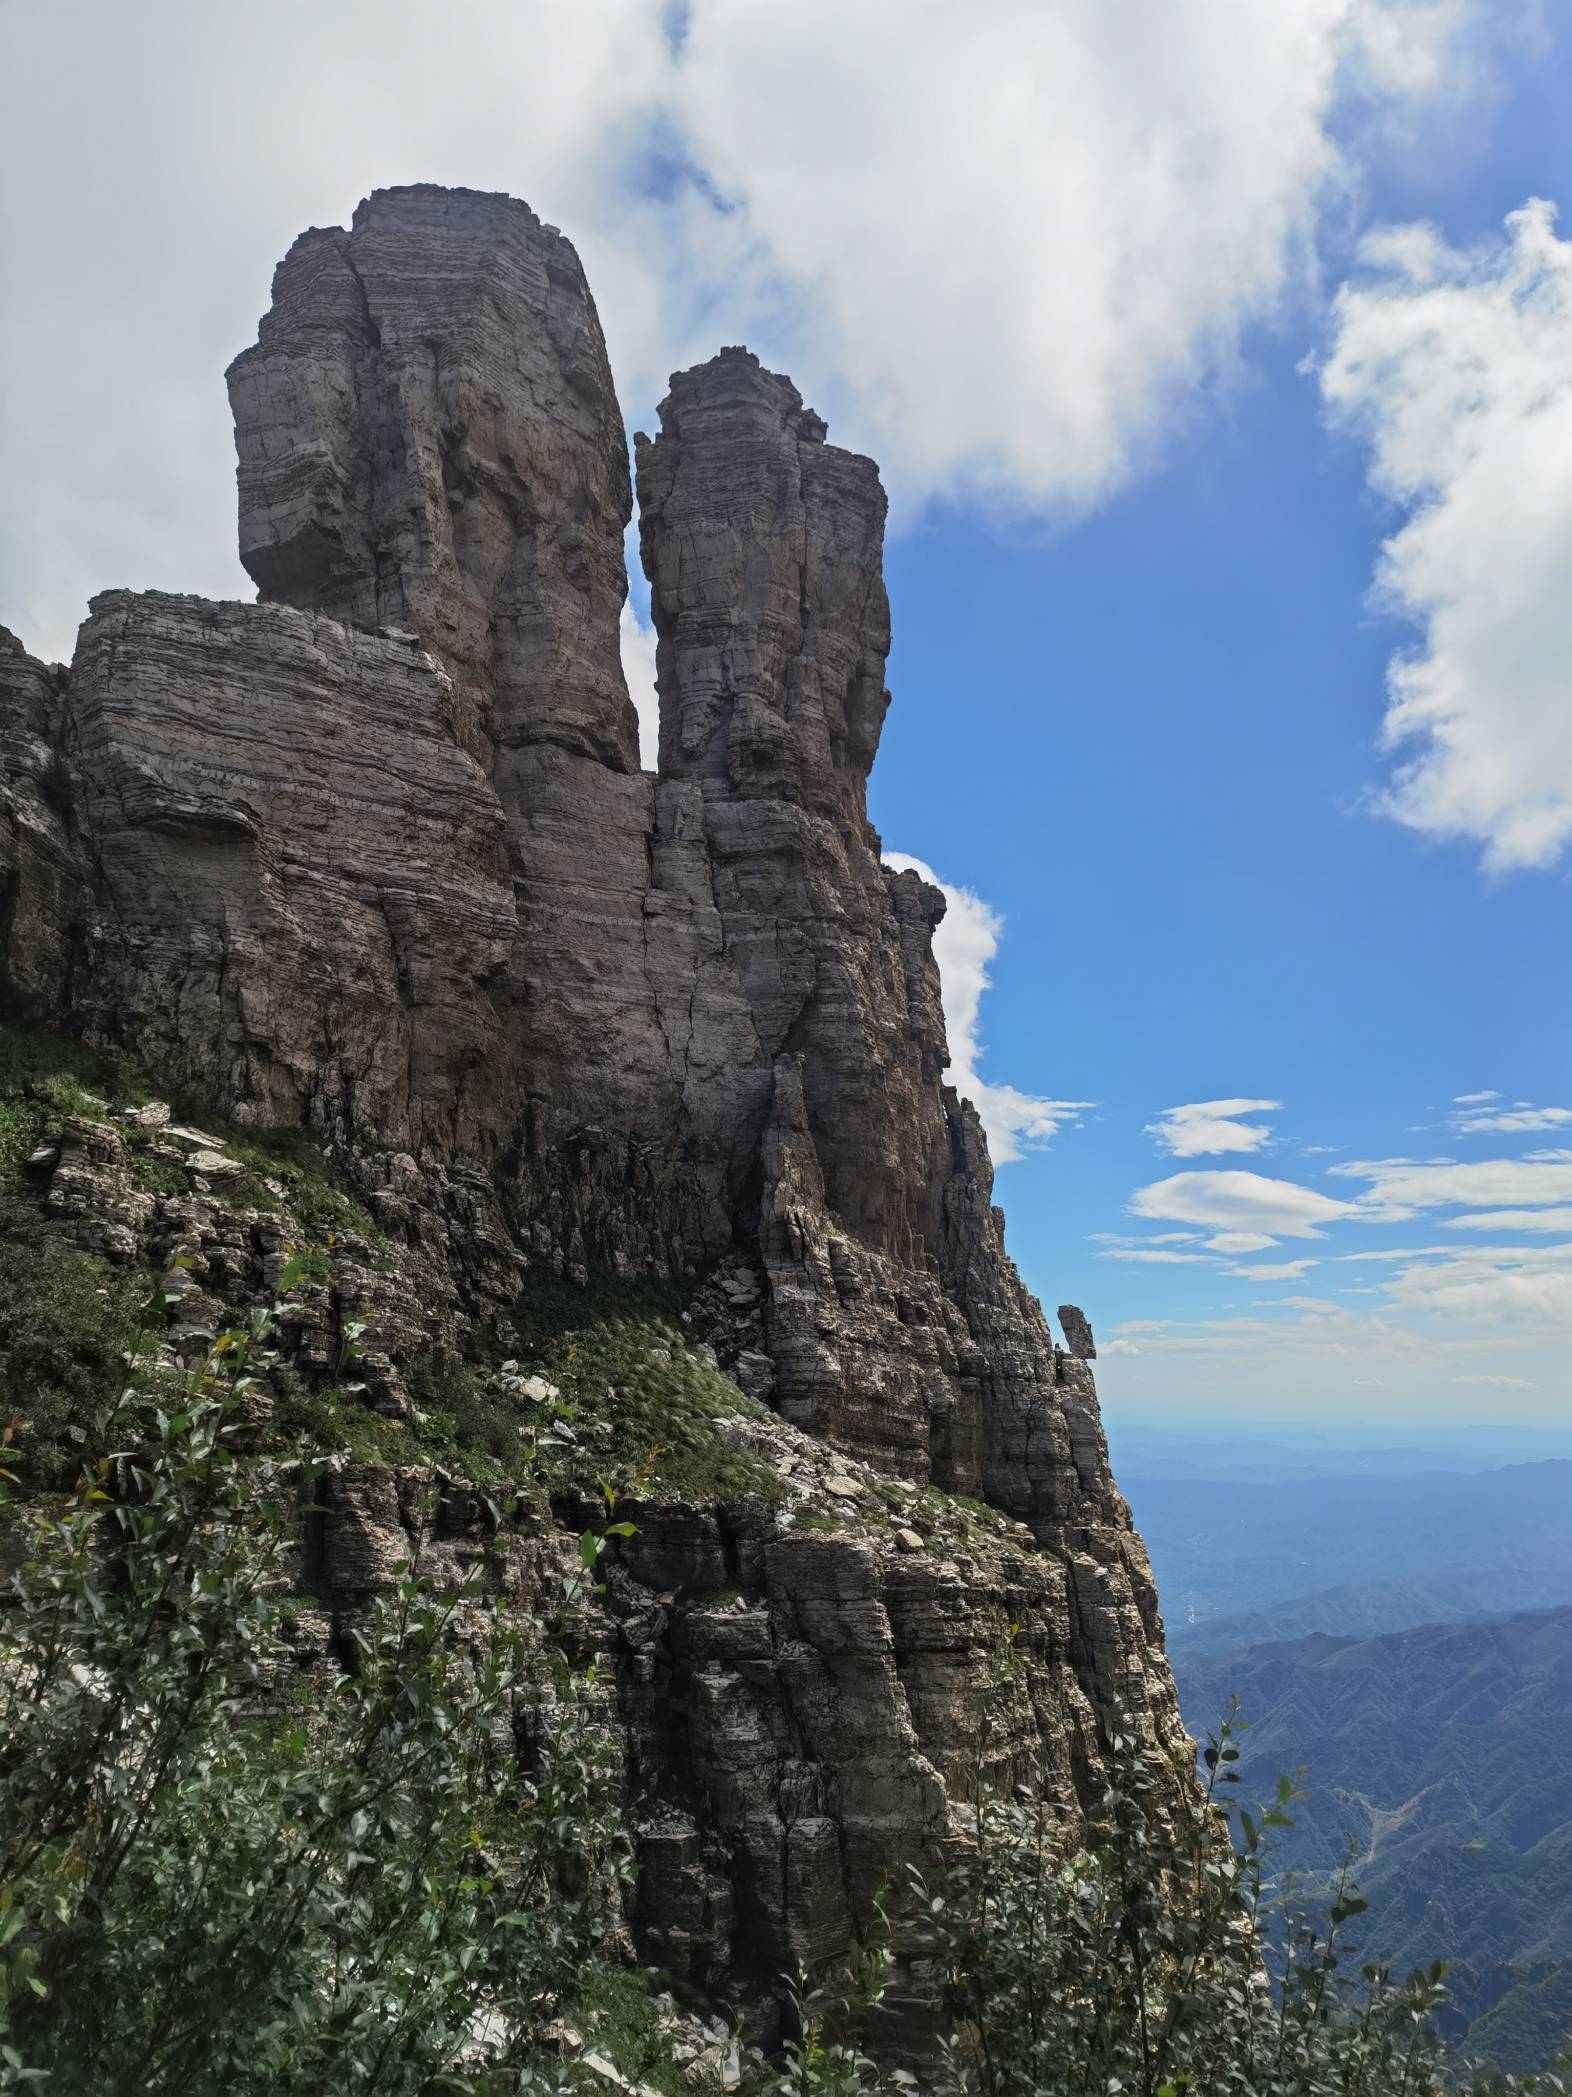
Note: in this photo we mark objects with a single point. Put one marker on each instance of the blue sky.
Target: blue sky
(1094, 282)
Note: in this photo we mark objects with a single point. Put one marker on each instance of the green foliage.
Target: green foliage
(638, 1405)
(45, 1077)
(323, 1203)
(221, 1874)
(1146, 1959)
(65, 1319)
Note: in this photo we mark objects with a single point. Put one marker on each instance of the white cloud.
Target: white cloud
(1531, 1284)
(1473, 1099)
(1005, 260)
(1281, 1271)
(1402, 1185)
(963, 946)
(187, 152)
(1210, 1126)
(1000, 257)
(1240, 1241)
(1151, 1238)
(1499, 1383)
(1456, 368)
(1154, 1256)
(1239, 1201)
(638, 667)
(1512, 1220)
(1510, 1121)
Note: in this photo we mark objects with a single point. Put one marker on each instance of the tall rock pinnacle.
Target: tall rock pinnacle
(374, 856)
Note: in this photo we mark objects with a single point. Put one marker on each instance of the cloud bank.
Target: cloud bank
(1007, 261)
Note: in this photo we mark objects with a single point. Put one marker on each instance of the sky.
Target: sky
(1218, 360)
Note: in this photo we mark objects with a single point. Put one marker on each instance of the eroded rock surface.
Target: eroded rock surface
(374, 857)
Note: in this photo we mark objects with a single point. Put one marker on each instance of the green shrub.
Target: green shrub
(65, 1319)
(1146, 1957)
(219, 1874)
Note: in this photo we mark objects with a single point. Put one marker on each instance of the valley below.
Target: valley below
(1408, 1659)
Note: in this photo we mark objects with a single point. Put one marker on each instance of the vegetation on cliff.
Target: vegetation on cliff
(229, 1866)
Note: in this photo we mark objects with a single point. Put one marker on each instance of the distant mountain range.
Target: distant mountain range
(1445, 1753)
(1364, 1609)
(1364, 1551)
(1395, 1616)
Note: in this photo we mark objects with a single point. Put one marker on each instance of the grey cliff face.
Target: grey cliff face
(374, 857)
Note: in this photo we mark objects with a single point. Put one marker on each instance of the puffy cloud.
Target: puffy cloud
(1240, 1201)
(1455, 366)
(963, 946)
(1210, 1126)
(1473, 1099)
(1240, 1241)
(187, 152)
(638, 667)
(1548, 1220)
(1000, 259)
(1006, 259)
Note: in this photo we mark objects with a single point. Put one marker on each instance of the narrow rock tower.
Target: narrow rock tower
(374, 856)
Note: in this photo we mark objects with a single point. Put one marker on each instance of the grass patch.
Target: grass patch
(635, 1407)
(319, 1197)
(328, 1420)
(640, 1403)
(44, 1077)
(468, 1422)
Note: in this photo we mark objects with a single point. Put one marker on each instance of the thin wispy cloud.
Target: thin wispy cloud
(1404, 1185)
(1278, 1271)
(1509, 1121)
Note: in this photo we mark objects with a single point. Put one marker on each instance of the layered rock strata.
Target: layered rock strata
(375, 857)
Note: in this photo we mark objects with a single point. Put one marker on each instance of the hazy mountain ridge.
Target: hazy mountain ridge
(1367, 1609)
(1214, 1542)
(1444, 1753)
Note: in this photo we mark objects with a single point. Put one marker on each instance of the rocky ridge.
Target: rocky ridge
(373, 858)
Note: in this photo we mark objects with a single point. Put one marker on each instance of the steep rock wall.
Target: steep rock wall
(374, 856)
